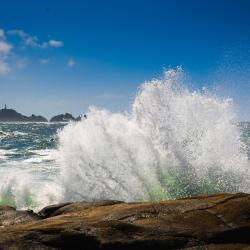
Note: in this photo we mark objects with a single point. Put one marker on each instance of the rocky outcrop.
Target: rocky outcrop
(9, 216)
(63, 118)
(11, 115)
(211, 222)
(37, 118)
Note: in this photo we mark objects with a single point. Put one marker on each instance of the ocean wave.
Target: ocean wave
(174, 143)
(43, 155)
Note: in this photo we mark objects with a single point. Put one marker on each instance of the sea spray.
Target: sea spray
(174, 143)
(27, 187)
(27, 165)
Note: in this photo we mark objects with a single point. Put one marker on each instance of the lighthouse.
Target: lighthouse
(5, 106)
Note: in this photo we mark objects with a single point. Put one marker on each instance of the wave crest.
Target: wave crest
(174, 143)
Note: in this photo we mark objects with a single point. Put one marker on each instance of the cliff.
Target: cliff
(219, 221)
(10, 115)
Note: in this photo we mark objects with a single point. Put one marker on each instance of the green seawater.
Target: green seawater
(25, 150)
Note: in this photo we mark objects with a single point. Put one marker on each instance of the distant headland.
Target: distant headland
(11, 115)
(65, 118)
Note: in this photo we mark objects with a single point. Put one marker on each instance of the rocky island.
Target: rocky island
(11, 115)
(220, 221)
(63, 118)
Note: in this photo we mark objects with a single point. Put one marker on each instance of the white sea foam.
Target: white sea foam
(43, 155)
(24, 186)
(11, 133)
(5, 153)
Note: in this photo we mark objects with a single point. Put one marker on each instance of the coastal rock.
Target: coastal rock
(62, 118)
(38, 118)
(79, 118)
(11, 115)
(50, 210)
(219, 221)
(9, 216)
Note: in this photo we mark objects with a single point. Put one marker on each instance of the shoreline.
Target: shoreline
(219, 221)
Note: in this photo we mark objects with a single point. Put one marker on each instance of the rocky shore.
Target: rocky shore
(219, 221)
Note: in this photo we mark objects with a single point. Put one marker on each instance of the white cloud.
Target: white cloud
(28, 40)
(33, 41)
(5, 48)
(55, 43)
(44, 60)
(21, 63)
(9, 61)
(20, 33)
(4, 68)
(71, 62)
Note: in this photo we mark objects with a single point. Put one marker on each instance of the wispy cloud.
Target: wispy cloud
(5, 47)
(21, 63)
(71, 62)
(27, 39)
(20, 33)
(10, 58)
(2, 34)
(4, 67)
(34, 42)
(44, 60)
(55, 43)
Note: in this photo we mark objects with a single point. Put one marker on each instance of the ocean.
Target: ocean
(173, 143)
(27, 160)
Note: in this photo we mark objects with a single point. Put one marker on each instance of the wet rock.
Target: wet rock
(50, 210)
(9, 216)
(210, 222)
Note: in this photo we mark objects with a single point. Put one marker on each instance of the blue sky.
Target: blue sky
(62, 56)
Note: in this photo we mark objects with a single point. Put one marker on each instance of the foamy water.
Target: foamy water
(173, 143)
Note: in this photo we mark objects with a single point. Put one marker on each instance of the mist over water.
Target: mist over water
(174, 143)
